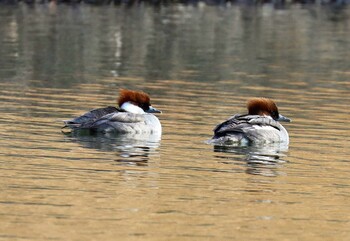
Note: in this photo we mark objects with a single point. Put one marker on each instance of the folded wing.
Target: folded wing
(252, 127)
(87, 119)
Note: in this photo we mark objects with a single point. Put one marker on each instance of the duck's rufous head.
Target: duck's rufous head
(265, 107)
(136, 98)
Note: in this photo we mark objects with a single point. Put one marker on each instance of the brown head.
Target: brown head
(137, 98)
(264, 106)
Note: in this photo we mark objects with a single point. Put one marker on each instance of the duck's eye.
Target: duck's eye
(275, 115)
(145, 107)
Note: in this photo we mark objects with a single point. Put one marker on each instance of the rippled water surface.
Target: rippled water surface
(200, 64)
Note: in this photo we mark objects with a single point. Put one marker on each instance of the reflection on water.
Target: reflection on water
(131, 149)
(131, 42)
(263, 160)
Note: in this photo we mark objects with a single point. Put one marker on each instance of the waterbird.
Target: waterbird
(134, 115)
(260, 125)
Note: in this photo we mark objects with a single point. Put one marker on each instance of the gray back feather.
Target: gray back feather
(87, 119)
(247, 126)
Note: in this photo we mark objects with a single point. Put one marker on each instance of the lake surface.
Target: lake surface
(200, 64)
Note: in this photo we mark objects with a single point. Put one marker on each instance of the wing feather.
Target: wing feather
(85, 120)
(249, 126)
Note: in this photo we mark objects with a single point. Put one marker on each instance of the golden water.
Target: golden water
(60, 187)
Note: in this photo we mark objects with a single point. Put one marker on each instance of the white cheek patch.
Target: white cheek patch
(131, 108)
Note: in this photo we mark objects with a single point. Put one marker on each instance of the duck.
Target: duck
(260, 125)
(134, 114)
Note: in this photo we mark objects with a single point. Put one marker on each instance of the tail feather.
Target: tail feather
(71, 124)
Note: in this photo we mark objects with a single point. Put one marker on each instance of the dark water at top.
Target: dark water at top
(199, 64)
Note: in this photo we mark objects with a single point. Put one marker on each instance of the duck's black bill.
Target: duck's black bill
(153, 110)
(283, 118)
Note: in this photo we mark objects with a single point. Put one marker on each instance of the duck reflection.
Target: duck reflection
(131, 149)
(265, 160)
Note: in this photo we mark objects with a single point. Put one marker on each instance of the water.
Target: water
(200, 64)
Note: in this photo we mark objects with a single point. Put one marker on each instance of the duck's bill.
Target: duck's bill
(283, 118)
(153, 110)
